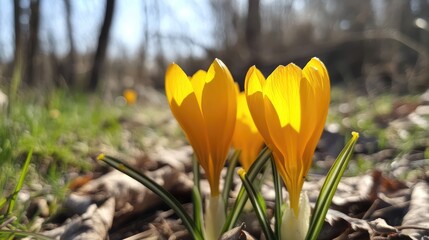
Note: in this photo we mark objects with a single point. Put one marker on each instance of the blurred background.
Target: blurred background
(371, 46)
(72, 71)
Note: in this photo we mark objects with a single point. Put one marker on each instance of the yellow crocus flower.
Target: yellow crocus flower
(246, 137)
(290, 109)
(205, 106)
(130, 96)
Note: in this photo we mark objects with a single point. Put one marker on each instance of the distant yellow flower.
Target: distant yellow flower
(290, 110)
(205, 107)
(246, 136)
(130, 96)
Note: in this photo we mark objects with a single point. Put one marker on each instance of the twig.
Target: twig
(412, 227)
(5, 223)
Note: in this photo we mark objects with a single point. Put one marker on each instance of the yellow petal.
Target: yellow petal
(185, 108)
(282, 89)
(190, 119)
(283, 115)
(177, 84)
(254, 83)
(285, 153)
(198, 82)
(318, 80)
(219, 103)
(246, 136)
(322, 71)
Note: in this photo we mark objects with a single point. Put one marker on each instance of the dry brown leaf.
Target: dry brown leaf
(128, 193)
(417, 217)
(380, 226)
(93, 224)
(237, 233)
(355, 223)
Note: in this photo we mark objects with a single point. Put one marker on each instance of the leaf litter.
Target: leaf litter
(386, 199)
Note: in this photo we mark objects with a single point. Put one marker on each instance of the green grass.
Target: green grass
(60, 126)
(375, 117)
(64, 130)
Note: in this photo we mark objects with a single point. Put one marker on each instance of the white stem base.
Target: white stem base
(296, 227)
(214, 217)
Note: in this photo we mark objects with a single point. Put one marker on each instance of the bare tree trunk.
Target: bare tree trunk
(103, 41)
(16, 69)
(253, 26)
(33, 42)
(142, 75)
(227, 22)
(70, 68)
(17, 26)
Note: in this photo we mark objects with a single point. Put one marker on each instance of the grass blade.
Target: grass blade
(196, 195)
(258, 205)
(2, 202)
(169, 199)
(20, 183)
(329, 187)
(278, 200)
(16, 233)
(7, 222)
(242, 195)
(196, 173)
(198, 208)
(229, 176)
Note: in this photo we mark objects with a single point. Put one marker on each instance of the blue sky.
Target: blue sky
(189, 18)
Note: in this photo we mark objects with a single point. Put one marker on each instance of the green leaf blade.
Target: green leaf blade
(167, 197)
(20, 183)
(329, 187)
(241, 199)
(258, 205)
